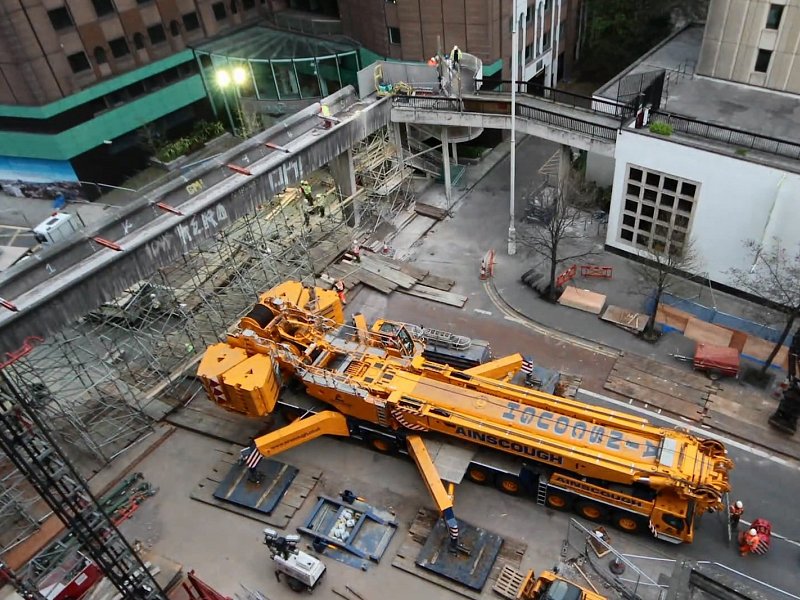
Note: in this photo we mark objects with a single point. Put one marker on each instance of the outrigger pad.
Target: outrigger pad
(274, 478)
(470, 567)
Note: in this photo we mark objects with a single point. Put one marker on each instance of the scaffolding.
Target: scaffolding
(102, 381)
(384, 177)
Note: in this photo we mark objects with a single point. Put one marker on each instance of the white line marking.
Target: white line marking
(480, 311)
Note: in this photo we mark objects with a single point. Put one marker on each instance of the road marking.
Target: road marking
(512, 315)
(699, 431)
(480, 311)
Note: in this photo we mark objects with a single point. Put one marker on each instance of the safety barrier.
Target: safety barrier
(596, 271)
(487, 265)
(595, 130)
(566, 276)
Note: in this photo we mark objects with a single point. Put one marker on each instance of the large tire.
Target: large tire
(627, 522)
(381, 444)
(479, 475)
(296, 585)
(591, 510)
(508, 484)
(558, 500)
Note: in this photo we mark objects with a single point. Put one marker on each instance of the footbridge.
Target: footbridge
(556, 116)
(56, 286)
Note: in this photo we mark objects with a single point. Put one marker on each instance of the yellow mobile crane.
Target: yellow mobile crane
(374, 384)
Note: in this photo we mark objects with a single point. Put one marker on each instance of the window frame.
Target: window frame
(66, 12)
(399, 38)
(771, 11)
(196, 23)
(112, 9)
(763, 52)
(86, 65)
(160, 27)
(116, 41)
(214, 9)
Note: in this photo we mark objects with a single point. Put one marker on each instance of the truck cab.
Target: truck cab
(55, 228)
(549, 586)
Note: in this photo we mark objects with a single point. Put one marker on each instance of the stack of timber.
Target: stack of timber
(657, 386)
(428, 210)
(387, 275)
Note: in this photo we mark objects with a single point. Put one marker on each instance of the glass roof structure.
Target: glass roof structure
(265, 43)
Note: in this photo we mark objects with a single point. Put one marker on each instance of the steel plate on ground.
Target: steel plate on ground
(470, 570)
(275, 478)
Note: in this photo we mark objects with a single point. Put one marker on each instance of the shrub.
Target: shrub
(201, 133)
(660, 128)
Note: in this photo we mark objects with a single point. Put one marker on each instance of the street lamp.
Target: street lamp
(235, 78)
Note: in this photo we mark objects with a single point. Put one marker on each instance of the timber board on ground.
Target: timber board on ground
(440, 283)
(625, 318)
(511, 554)
(653, 399)
(387, 271)
(429, 210)
(708, 333)
(428, 293)
(580, 299)
(301, 487)
(207, 418)
(662, 385)
(653, 367)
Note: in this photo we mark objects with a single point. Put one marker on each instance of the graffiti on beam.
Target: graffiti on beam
(194, 187)
(159, 246)
(202, 225)
(289, 172)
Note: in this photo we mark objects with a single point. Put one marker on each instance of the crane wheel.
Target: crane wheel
(591, 510)
(627, 522)
(712, 447)
(558, 501)
(508, 484)
(479, 475)
(381, 445)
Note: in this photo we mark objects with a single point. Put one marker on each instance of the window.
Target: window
(60, 18)
(143, 1)
(394, 35)
(219, 11)
(546, 41)
(100, 55)
(762, 60)
(119, 47)
(528, 52)
(174, 28)
(234, 7)
(248, 4)
(138, 41)
(653, 218)
(103, 7)
(529, 14)
(190, 21)
(774, 16)
(548, 4)
(78, 62)
(156, 34)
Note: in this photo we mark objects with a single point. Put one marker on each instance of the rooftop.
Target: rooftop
(265, 43)
(752, 109)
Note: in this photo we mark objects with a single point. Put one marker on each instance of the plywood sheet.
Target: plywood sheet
(707, 333)
(585, 300)
(760, 349)
(625, 318)
(672, 317)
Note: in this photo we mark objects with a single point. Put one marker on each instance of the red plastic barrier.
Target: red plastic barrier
(596, 271)
(566, 276)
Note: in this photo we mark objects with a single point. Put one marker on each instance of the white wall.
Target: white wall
(599, 169)
(737, 199)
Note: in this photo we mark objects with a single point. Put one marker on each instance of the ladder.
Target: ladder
(541, 492)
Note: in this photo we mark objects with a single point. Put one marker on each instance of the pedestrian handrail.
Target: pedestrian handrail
(542, 92)
(549, 117)
(728, 135)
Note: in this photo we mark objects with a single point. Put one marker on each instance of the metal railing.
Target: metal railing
(554, 119)
(599, 106)
(728, 135)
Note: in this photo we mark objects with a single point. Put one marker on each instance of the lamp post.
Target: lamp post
(235, 78)
(512, 231)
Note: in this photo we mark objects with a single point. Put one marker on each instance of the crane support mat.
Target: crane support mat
(353, 533)
(471, 570)
(274, 479)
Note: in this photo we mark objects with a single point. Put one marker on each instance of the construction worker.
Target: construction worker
(357, 250)
(339, 287)
(735, 512)
(748, 542)
(455, 55)
(305, 187)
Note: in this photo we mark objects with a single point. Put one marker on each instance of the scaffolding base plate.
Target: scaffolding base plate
(274, 479)
(471, 570)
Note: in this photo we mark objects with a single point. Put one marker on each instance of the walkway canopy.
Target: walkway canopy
(269, 64)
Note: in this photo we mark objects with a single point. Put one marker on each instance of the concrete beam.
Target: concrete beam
(151, 238)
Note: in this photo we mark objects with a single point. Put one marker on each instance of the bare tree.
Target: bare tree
(774, 277)
(664, 264)
(557, 231)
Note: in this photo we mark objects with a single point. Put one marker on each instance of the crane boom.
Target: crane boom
(608, 463)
